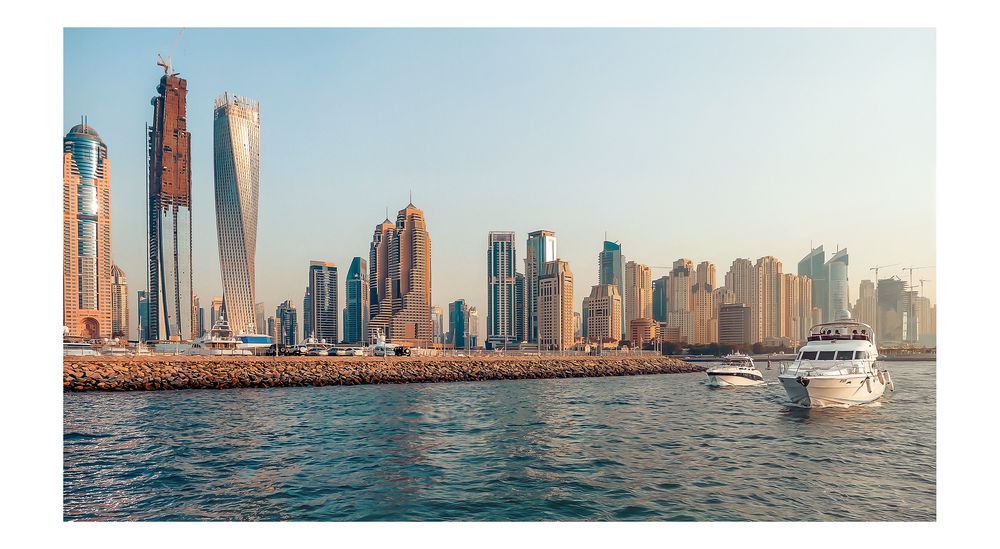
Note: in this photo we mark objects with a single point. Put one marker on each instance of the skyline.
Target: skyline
(468, 189)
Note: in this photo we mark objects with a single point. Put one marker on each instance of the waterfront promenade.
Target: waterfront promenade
(150, 373)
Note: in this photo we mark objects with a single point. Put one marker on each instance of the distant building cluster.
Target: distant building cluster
(389, 293)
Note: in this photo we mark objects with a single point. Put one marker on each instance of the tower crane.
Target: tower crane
(165, 63)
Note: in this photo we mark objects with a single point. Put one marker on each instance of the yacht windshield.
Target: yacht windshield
(845, 355)
(827, 355)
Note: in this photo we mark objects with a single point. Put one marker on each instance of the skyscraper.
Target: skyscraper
(864, 307)
(702, 308)
(201, 321)
(555, 307)
(501, 282)
(660, 302)
(680, 320)
(611, 270)
(356, 310)
(437, 318)
(838, 297)
(86, 234)
(458, 324)
(324, 302)
(766, 301)
(540, 250)
(169, 236)
(307, 327)
(520, 308)
(603, 309)
(237, 180)
(638, 298)
(403, 273)
(216, 312)
(197, 318)
(286, 323)
(260, 318)
(142, 306)
(473, 328)
(119, 303)
(740, 280)
(813, 265)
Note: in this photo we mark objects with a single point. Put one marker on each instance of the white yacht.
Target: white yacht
(219, 341)
(836, 367)
(736, 370)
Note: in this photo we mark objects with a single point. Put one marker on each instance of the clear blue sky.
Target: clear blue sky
(704, 144)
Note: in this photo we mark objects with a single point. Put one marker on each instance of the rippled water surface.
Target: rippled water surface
(663, 447)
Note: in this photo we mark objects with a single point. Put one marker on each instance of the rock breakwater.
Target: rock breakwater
(177, 372)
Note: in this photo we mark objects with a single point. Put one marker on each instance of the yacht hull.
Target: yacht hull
(819, 391)
(733, 380)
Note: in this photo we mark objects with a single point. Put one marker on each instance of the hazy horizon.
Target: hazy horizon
(708, 144)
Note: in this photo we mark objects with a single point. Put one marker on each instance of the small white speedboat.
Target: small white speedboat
(737, 370)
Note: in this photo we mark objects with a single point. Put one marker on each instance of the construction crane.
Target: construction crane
(911, 269)
(876, 268)
(165, 63)
(922, 280)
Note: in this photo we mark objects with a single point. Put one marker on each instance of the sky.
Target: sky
(706, 144)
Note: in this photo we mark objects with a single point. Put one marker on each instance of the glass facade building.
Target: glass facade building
(324, 304)
(611, 270)
(501, 286)
(813, 265)
(356, 310)
(540, 250)
(237, 181)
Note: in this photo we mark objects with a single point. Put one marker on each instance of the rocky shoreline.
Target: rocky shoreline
(180, 372)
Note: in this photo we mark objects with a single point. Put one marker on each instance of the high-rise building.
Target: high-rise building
(356, 311)
(260, 318)
(520, 308)
(611, 270)
(838, 294)
(864, 307)
(735, 324)
(766, 301)
(307, 327)
(119, 303)
(680, 320)
(791, 307)
(660, 302)
(201, 321)
(437, 318)
(720, 296)
(638, 297)
(740, 281)
(86, 234)
(805, 307)
(541, 249)
(473, 326)
(814, 266)
(702, 304)
(170, 276)
(604, 310)
(274, 329)
(324, 303)
(287, 324)
(555, 307)
(142, 306)
(577, 325)
(400, 260)
(458, 324)
(196, 319)
(380, 300)
(501, 287)
(890, 313)
(216, 311)
(237, 181)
